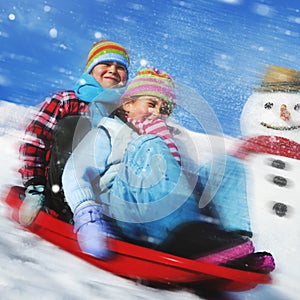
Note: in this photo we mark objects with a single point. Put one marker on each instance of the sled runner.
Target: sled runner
(137, 262)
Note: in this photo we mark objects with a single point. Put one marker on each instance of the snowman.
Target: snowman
(270, 125)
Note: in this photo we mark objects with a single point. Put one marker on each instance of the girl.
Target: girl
(50, 136)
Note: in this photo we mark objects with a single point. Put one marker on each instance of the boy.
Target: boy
(50, 137)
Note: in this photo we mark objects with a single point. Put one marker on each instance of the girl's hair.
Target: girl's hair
(122, 115)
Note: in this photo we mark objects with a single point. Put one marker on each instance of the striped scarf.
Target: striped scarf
(157, 127)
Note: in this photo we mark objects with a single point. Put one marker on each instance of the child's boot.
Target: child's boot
(261, 262)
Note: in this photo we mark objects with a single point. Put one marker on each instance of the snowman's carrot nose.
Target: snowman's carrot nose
(284, 113)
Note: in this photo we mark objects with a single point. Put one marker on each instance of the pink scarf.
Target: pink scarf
(157, 127)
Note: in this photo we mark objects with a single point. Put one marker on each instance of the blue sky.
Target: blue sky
(216, 47)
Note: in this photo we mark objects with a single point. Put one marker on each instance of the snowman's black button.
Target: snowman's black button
(279, 164)
(280, 209)
(280, 181)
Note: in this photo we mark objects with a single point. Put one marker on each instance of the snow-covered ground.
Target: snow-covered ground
(32, 268)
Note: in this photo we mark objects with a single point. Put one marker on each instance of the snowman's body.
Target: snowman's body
(273, 180)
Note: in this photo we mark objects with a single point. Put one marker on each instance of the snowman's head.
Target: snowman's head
(274, 108)
(272, 113)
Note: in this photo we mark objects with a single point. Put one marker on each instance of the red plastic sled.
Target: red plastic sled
(140, 263)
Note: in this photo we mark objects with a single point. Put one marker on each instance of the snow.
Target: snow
(33, 268)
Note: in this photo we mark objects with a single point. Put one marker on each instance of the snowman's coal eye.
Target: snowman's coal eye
(269, 105)
(297, 107)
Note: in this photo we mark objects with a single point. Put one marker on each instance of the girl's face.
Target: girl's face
(144, 107)
(110, 74)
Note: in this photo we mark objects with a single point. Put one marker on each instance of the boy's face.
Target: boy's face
(144, 107)
(110, 74)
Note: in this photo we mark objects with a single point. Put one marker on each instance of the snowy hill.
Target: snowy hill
(33, 268)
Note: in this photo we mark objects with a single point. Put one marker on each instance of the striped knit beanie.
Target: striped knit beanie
(152, 82)
(106, 51)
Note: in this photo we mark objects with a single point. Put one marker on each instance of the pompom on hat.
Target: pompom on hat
(106, 51)
(152, 82)
(280, 79)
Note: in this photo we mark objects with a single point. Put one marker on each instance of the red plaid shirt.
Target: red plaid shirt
(35, 152)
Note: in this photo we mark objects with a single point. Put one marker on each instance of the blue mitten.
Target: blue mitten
(91, 229)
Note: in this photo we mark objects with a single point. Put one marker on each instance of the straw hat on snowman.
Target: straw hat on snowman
(279, 79)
